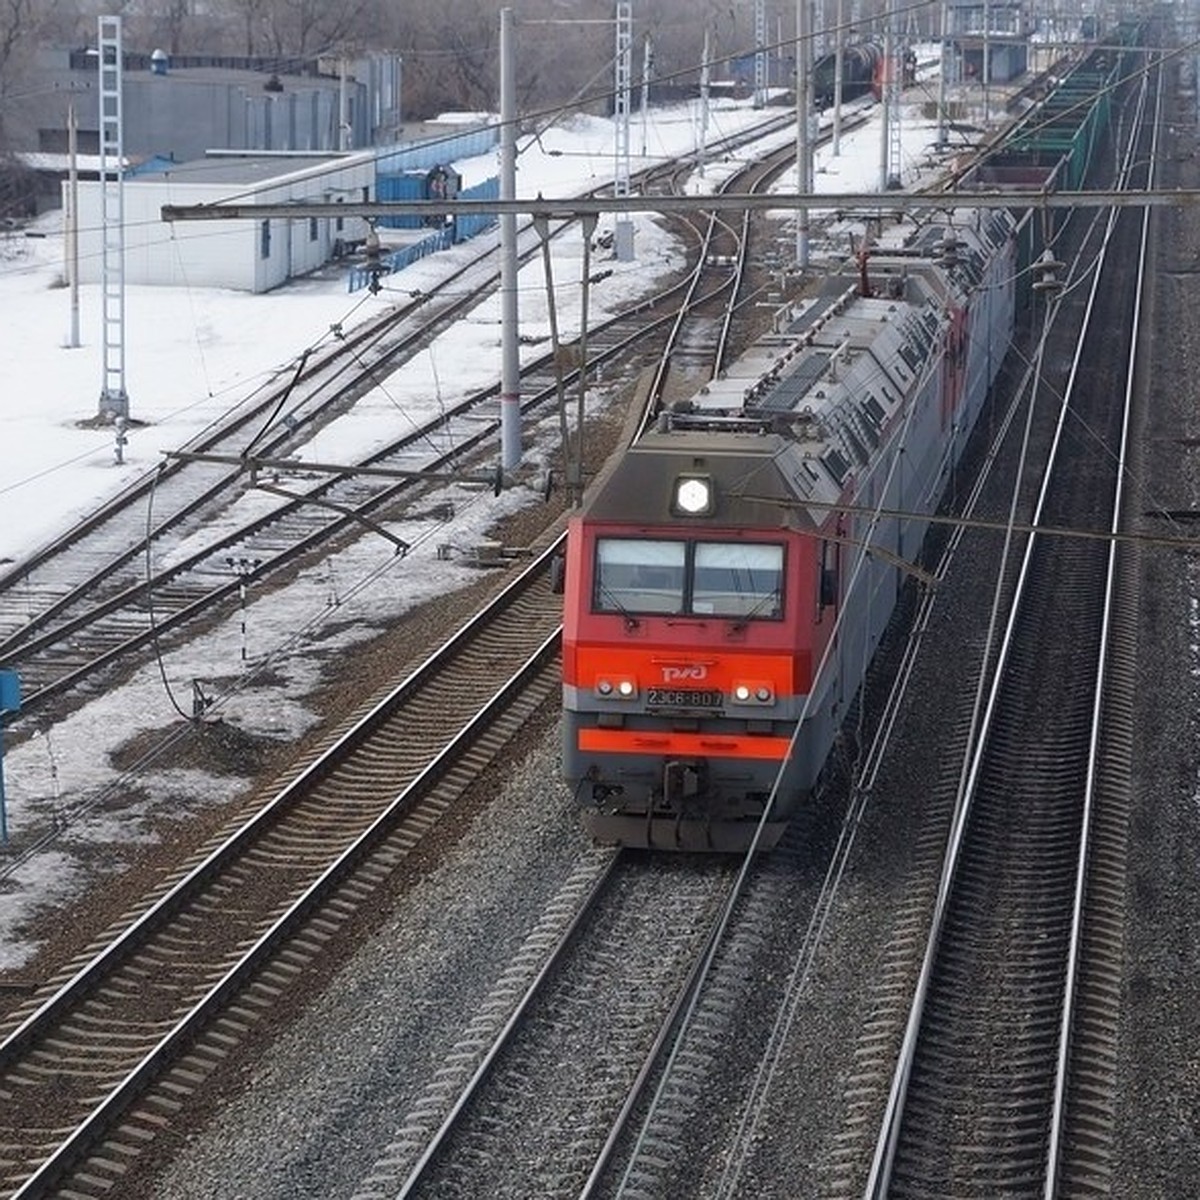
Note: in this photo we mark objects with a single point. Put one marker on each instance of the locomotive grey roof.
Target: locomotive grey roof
(786, 394)
(640, 487)
(841, 365)
(809, 403)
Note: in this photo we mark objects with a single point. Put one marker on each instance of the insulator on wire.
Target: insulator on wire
(374, 257)
(1046, 271)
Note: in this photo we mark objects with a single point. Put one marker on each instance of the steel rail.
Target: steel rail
(861, 790)
(23, 644)
(881, 1167)
(27, 1034)
(655, 1055)
(388, 492)
(418, 1172)
(1056, 1150)
(762, 173)
(336, 358)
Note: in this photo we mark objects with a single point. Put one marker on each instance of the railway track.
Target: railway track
(106, 1053)
(481, 1125)
(174, 549)
(1004, 1080)
(620, 940)
(717, 291)
(96, 1063)
(100, 1157)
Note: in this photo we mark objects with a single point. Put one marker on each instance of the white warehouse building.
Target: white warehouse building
(245, 255)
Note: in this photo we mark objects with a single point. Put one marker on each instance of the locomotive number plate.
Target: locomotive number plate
(683, 698)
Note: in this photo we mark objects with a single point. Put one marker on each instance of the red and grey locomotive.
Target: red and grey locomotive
(728, 582)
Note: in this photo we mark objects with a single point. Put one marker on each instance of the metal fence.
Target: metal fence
(458, 229)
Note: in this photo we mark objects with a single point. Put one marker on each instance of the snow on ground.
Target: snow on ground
(192, 355)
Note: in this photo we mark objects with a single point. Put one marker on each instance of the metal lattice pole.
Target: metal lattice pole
(510, 354)
(760, 53)
(893, 86)
(114, 400)
(623, 240)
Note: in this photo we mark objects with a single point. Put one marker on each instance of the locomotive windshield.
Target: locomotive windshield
(718, 579)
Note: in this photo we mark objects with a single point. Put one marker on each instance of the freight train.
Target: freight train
(864, 72)
(862, 66)
(728, 582)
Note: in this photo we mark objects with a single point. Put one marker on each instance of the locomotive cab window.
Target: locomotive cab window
(720, 579)
(633, 575)
(737, 579)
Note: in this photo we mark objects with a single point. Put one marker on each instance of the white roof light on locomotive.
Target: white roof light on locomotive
(693, 496)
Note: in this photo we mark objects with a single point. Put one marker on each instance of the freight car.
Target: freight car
(728, 583)
(862, 64)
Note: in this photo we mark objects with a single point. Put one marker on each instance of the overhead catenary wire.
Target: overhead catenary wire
(584, 101)
(154, 641)
(888, 202)
(993, 525)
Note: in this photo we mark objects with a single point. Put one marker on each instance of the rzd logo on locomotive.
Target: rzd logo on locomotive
(689, 674)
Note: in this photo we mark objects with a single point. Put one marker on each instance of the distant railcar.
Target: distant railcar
(727, 585)
(861, 65)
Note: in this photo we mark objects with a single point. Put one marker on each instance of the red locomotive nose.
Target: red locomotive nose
(720, 610)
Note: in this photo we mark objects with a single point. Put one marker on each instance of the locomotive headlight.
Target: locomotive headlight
(623, 689)
(741, 693)
(753, 693)
(693, 496)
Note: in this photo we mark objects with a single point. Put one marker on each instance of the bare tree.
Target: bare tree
(450, 47)
(251, 18)
(23, 23)
(175, 17)
(302, 28)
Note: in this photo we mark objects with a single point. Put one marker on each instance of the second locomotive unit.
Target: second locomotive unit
(729, 581)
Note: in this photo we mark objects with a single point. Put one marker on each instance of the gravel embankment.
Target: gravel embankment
(309, 1113)
(1158, 1097)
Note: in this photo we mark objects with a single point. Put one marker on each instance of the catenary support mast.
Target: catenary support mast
(114, 400)
(623, 95)
(760, 53)
(510, 361)
(803, 116)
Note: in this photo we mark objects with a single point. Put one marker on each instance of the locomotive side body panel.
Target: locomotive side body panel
(728, 585)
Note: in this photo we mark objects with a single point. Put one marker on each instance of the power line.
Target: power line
(573, 207)
(994, 526)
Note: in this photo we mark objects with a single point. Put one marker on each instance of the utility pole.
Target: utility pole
(623, 232)
(839, 77)
(760, 53)
(704, 70)
(344, 127)
(987, 62)
(943, 139)
(73, 220)
(588, 223)
(510, 360)
(114, 400)
(803, 111)
(647, 67)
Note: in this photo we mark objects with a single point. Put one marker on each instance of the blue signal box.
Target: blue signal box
(10, 692)
(10, 702)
